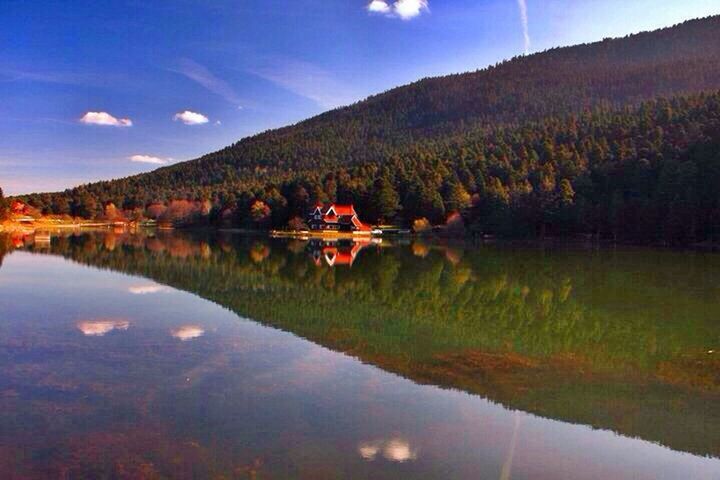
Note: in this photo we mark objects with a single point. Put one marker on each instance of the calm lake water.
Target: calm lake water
(190, 356)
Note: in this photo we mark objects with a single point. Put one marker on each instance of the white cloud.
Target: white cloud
(188, 332)
(149, 159)
(378, 6)
(191, 118)
(200, 74)
(104, 118)
(98, 328)
(407, 9)
(404, 9)
(522, 5)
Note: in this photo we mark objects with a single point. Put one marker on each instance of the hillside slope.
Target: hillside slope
(428, 148)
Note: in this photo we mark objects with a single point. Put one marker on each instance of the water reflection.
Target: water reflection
(395, 450)
(98, 328)
(506, 472)
(608, 340)
(147, 289)
(188, 332)
(336, 253)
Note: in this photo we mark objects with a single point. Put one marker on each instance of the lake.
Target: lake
(189, 355)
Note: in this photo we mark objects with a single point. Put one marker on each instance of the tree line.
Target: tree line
(642, 174)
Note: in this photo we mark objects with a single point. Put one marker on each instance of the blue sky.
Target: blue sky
(101, 89)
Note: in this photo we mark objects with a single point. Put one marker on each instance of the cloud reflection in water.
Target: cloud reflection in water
(395, 450)
(147, 289)
(98, 328)
(187, 332)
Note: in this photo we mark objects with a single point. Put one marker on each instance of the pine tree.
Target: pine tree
(457, 199)
(387, 200)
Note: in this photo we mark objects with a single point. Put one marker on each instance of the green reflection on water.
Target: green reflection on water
(617, 339)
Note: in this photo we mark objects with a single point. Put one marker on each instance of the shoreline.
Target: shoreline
(29, 228)
(12, 227)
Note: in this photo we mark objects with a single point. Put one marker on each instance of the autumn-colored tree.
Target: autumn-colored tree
(112, 213)
(155, 210)
(181, 212)
(260, 213)
(421, 225)
(457, 199)
(297, 223)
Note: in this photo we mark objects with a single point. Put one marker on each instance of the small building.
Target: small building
(336, 218)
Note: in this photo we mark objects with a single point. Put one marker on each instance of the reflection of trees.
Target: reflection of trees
(613, 340)
(488, 301)
(4, 247)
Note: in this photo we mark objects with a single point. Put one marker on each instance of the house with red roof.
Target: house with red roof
(336, 218)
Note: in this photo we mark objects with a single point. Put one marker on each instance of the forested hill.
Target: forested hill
(518, 140)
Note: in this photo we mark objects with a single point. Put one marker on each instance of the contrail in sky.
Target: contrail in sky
(522, 5)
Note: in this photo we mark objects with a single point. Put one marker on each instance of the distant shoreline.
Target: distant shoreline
(44, 226)
(31, 227)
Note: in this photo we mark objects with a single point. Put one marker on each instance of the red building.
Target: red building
(339, 218)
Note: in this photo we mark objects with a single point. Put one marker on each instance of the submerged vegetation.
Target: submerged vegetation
(622, 340)
(619, 139)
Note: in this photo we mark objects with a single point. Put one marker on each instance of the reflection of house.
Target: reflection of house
(338, 218)
(337, 253)
(42, 239)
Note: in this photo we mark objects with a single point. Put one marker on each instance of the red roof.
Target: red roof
(342, 209)
(360, 225)
(334, 212)
(335, 256)
(341, 256)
